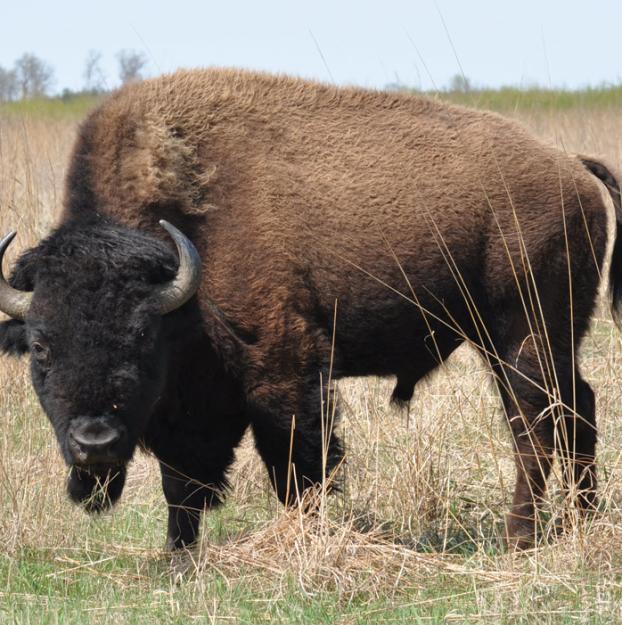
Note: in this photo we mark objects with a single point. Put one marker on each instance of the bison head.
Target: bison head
(89, 304)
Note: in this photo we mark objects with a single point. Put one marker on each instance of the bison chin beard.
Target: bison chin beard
(96, 488)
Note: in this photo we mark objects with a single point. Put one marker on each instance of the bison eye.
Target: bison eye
(41, 353)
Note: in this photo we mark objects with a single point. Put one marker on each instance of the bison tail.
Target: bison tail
(615, 268)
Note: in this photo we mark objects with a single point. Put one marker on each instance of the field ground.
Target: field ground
(415, 535)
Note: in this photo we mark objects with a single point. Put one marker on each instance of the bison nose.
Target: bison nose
(95, 442)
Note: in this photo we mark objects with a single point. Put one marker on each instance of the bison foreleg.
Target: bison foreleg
(186, 498)
(298, 453)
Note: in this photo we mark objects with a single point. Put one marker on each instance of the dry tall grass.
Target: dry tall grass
(424, 491)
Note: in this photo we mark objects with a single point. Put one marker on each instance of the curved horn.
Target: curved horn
(12, 302)
(184, 285)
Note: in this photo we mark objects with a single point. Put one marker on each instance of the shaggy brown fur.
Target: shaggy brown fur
(422, 224)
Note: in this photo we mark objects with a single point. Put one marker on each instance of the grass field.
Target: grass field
(415, 536)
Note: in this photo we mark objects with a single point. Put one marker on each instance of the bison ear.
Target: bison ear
(13, 337)
(13, 331)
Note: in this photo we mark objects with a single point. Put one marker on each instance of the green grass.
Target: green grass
(117, 574)
(72, 107)
(505, 99)
(40, 587)
(509, 99)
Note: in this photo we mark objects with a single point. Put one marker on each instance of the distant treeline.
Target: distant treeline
(32, 78)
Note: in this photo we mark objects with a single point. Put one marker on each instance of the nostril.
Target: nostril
(79, 452)
(97, 441)
(90, 443)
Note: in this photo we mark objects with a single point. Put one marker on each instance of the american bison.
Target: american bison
(365, 231)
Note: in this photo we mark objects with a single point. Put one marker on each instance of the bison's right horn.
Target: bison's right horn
(12, 302)
(183, 286)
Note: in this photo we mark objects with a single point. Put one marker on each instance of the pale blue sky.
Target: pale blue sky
(550, 42)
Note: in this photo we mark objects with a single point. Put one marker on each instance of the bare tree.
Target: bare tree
(94, 77)
(131, 64)
(34, 76)
(8, 85)
(459, 83)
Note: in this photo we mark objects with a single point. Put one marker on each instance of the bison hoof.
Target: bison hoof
(173, 545)
(520, 533)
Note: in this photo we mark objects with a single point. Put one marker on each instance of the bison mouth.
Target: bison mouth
(96, 487)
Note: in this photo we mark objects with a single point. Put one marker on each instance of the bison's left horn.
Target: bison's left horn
(12, 302)
(184, 285)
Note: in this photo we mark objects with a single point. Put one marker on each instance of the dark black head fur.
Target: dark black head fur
(97, 342)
